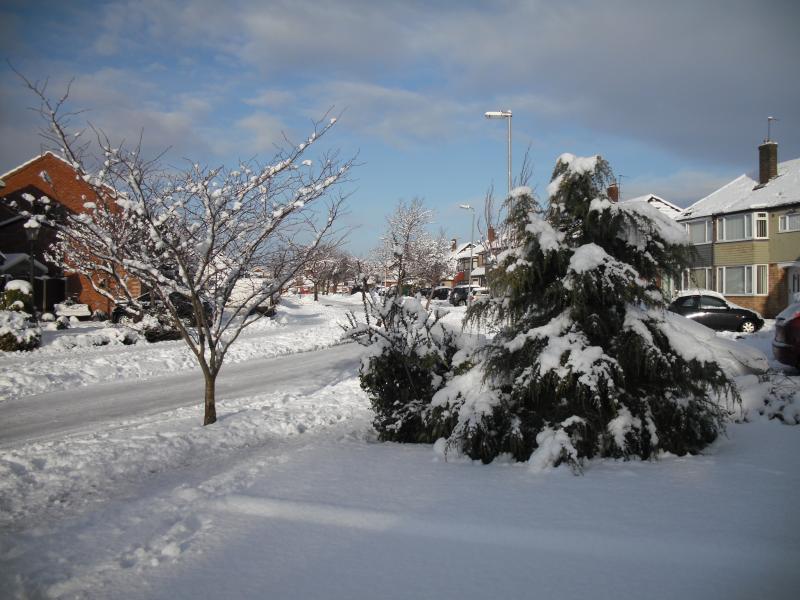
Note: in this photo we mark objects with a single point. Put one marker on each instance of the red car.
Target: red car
(786, 345)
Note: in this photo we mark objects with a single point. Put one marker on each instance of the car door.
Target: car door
(686, 306)
(717, 314)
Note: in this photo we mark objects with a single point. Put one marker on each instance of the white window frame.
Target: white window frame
(752, 282)
(764, 217)
(750, 226)
(686, 278)
(783, 222)
(708, 231)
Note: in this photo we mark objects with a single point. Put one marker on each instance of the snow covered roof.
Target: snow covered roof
(664, 206)
(744, 193)
(14, 259)
(463, 250)
(33, 160)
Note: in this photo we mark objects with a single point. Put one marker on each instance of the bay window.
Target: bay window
(699, 232)
(745, 280)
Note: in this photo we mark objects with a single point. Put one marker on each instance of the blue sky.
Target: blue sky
(674, 94)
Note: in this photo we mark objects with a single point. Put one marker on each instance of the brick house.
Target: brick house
(51, 176)
(747, 236)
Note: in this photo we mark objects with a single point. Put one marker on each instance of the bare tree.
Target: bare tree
(192, 237)
(408, 251)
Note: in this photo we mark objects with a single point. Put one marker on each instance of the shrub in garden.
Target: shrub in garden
(17, 332)
(17, 296)
(584, 363)
(409, 357)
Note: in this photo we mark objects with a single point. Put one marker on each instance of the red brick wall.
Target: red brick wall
(69, 190)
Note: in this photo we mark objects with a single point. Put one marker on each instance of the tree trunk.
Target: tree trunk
(210, 403)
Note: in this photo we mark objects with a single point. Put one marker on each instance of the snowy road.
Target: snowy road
(56, 414)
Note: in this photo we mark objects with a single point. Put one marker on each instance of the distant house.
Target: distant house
(460, 256)
(747, 236)
(53, 177)
(664, 206)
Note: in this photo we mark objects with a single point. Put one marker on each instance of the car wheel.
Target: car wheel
(747, 327)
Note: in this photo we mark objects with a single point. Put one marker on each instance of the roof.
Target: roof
(744, 193)
(664, 206)
(463, 250)
(13, 259)
(33, 160)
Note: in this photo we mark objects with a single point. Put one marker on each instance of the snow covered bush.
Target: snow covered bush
(17, 332)
(585, 363)
(409, 358)
(111, 336)
(18, 296)
(157, 328)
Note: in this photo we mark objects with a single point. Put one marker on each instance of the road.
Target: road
(56, 414)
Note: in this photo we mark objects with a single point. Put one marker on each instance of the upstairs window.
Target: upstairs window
(749, 226)
(737, 227)
(699, 232)
(762, 228)
(789, 222)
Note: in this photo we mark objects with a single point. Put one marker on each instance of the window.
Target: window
(741, 227)
(762, 277)
(699, 232)
(738, 227)
(761, 226)
(789, 222)
(739, 281)
(687, 302)
(696, 279)
(712, 302)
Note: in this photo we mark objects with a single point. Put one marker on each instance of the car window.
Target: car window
(686, 302)
(712, 302)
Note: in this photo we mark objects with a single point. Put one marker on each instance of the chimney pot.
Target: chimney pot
(767, 161)
(613, 192)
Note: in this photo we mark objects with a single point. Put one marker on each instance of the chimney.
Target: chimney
(613, 192)
(767, 161)
(453, 244)
(492, 235)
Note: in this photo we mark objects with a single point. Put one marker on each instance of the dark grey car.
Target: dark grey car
(713, 311)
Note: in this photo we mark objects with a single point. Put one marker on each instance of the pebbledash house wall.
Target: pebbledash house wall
(68, 189)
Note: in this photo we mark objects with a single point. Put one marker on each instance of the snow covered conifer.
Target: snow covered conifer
(586, 362)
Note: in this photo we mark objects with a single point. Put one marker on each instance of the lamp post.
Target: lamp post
(504, 114)
(31, 227)
(471, 244)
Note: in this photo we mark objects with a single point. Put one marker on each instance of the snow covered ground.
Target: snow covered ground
(290, 496)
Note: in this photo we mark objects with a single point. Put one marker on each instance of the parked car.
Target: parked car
(714, 311)
(424, 292)
(786, 344)
(480, 293)
(460, 293)
(441, 293)
(182, 304)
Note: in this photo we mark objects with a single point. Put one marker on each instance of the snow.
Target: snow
(20, 285)
(741, 193)
(289, 495)
(300, 327)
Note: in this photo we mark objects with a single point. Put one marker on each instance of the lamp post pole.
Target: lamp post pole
(32, 233)
(471, 244)
(504, 114)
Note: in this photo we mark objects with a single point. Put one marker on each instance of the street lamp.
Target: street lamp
(32, 227)
(504, 114)
(471, 244)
